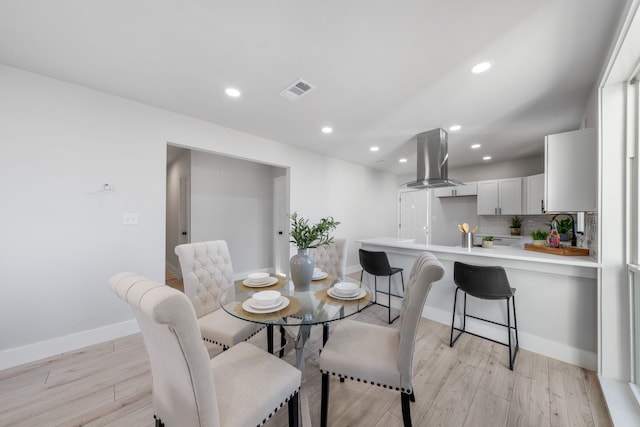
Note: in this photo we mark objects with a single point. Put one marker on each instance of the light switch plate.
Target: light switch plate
(130, 218)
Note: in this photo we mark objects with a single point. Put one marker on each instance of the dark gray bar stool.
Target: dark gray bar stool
(377, 264)
(490, 283)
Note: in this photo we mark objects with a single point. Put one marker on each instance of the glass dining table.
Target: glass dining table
(317, 305)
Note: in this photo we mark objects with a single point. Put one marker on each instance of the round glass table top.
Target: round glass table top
(319, 304)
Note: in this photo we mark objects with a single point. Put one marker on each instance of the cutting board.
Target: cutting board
(559, 251)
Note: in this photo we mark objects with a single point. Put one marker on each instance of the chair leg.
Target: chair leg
(324, 401)
(293, 411)
(283, 341)
(375, 289)
(509, 334)
(513, 355)
(389, 303)
(406, 409)
(270, 338)
(515, 323)
(453, 316)
(325, 333)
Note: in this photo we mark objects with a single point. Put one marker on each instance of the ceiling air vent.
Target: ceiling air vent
(296, 90)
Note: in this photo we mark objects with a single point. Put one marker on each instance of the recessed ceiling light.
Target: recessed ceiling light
(481, 67)
(374, 149)
(455, 128)
(327, 129)
(403, 160)
(232, 92)
(486, 158)
(475, 146)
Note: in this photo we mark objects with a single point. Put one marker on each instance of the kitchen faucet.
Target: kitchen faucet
(574, 240)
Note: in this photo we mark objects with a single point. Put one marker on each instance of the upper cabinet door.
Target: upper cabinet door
(535, 195)
(571, 171)
(487, 198)
(510, 196)
(500, 197)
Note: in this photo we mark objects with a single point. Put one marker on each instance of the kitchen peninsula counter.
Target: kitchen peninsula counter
(556, 298)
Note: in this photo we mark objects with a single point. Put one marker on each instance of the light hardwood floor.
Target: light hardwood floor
(109, 384)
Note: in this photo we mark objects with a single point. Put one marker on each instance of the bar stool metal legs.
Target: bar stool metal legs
(389, 294)
(513, 350)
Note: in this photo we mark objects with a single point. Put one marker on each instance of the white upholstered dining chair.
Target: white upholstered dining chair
(243, 386)
(206, 273)
(381, 355)
(331, 258)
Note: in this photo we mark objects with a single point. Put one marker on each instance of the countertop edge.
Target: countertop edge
(505, 252)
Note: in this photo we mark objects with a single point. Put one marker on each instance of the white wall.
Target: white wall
(232, 200)
(64, 238)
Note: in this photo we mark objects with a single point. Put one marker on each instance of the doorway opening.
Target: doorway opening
(212, 196)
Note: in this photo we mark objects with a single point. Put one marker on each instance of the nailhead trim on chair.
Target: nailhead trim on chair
(264, 420)
(401, 389)
(225, 347)
(276, 410)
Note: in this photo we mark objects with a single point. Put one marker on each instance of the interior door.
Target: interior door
(414, 216)
(280, 226)
(184, 210)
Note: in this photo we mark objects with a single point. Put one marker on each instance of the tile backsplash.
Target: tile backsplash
(499, 226)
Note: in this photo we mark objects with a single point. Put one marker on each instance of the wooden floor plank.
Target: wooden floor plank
(109, 384)
(487, 409)
(454, 398)
(497, 378)
(519, 411)
(578, 408)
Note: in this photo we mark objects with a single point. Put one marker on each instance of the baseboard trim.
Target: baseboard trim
(546, 347)
(45, 349)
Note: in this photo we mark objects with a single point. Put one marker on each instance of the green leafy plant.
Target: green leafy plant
(516, 222)
(539, 235)
(487, 239)
(307, 236)
(564, 225)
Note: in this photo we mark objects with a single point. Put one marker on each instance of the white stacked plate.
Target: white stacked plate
(265, 302)
(346, 290)
(319, 275)
(257, 280)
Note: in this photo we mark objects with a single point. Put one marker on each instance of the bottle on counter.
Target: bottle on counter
(553, 239)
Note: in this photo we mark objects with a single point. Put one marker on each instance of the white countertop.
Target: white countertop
(503, 252)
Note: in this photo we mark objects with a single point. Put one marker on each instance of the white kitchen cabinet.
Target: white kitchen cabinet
(534, 186)
(571, 171)
(500, 197)
(468, 189)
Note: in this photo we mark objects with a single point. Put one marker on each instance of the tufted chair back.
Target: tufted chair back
(332, 258)
(206, 272)
(426, 270)
(183, 386)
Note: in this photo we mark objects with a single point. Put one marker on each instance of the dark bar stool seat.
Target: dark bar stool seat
(488, 283)
(377, 264)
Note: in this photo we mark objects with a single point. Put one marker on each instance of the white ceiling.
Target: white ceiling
(383, 70)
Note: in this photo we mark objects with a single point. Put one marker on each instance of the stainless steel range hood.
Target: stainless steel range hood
(433, 156)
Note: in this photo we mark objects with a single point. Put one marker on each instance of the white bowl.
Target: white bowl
(346, 288)
(258, 277)
(317, 271)
(266, 298)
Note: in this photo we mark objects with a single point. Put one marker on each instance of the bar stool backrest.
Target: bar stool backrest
(375, 263)
(480, 281)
